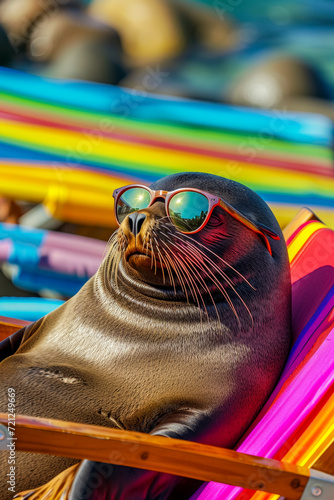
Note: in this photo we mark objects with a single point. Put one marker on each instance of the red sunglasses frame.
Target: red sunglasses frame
(214, 201)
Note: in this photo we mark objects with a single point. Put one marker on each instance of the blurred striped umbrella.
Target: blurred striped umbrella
(69, 144)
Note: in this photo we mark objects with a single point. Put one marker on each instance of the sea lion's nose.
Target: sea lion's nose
(136, 221)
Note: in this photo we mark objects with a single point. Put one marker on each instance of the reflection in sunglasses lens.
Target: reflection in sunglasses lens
(188, 210)
(132, 200)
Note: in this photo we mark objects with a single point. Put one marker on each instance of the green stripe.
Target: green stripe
(172, 131)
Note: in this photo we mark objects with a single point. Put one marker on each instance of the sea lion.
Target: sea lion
(19, 17)
(271, 81)
(179, 335)
(150, 30)
(67, 45)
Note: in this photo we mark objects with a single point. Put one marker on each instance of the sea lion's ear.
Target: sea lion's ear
(11, 344)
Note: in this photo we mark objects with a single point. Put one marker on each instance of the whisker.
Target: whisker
(179, 267)
(160, 257)
(116, 245)
(162, 260)
(213, 278)
(174, 265)
(108, 244)
(192, 265)
(152, 253)
(179, 273)
(216, 255)
(192, 250)
(225, 277)
(192, 282)
(154, 257)
(170, 274)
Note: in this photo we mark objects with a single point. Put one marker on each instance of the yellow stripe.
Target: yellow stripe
(85, 145)
(69, 195)
(33, 184)
(35, 180)
(301, 238)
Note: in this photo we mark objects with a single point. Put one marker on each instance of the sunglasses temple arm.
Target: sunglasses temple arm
(260, 229)
(265, 240)
(267, 231)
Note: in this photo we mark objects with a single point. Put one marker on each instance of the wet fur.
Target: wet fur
(192, 354)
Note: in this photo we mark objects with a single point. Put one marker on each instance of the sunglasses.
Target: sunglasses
(188, 209)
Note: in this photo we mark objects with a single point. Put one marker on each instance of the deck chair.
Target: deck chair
(28, 308)
(10, 325)
(48, 260)
(62, 194)
(289, 450)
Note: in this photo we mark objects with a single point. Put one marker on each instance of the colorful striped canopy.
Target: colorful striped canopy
(70, 144)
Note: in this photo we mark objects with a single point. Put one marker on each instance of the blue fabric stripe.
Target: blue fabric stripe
(27, 308)
(108, 99)
(21, 234)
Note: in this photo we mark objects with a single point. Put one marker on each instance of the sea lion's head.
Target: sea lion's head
(237, 249)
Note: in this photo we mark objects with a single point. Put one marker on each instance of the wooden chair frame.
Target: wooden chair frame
(160, 454)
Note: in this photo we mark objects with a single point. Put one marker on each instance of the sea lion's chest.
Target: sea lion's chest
(132, 368)
(87, 361)
(114, 373)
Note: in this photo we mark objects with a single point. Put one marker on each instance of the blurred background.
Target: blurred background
(102, 93)
(261, 53)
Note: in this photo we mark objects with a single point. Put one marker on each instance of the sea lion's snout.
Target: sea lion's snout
(135, 221)
(138, 232)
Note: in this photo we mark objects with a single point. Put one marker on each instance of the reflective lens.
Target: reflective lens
(132, 200)
(188, 210)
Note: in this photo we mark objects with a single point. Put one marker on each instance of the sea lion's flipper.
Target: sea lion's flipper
(96, 480)
(10, 345)
(185, 423)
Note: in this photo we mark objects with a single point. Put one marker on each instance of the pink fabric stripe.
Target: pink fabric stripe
(75, 244)
(72, 263)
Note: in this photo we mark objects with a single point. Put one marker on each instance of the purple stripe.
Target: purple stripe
(64, 261)
(73, 243)
(309, 291)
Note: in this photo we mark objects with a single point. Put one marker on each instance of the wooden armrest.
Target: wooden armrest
(304, 215)
(160, 454)
(10, 325)
(325, 462)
